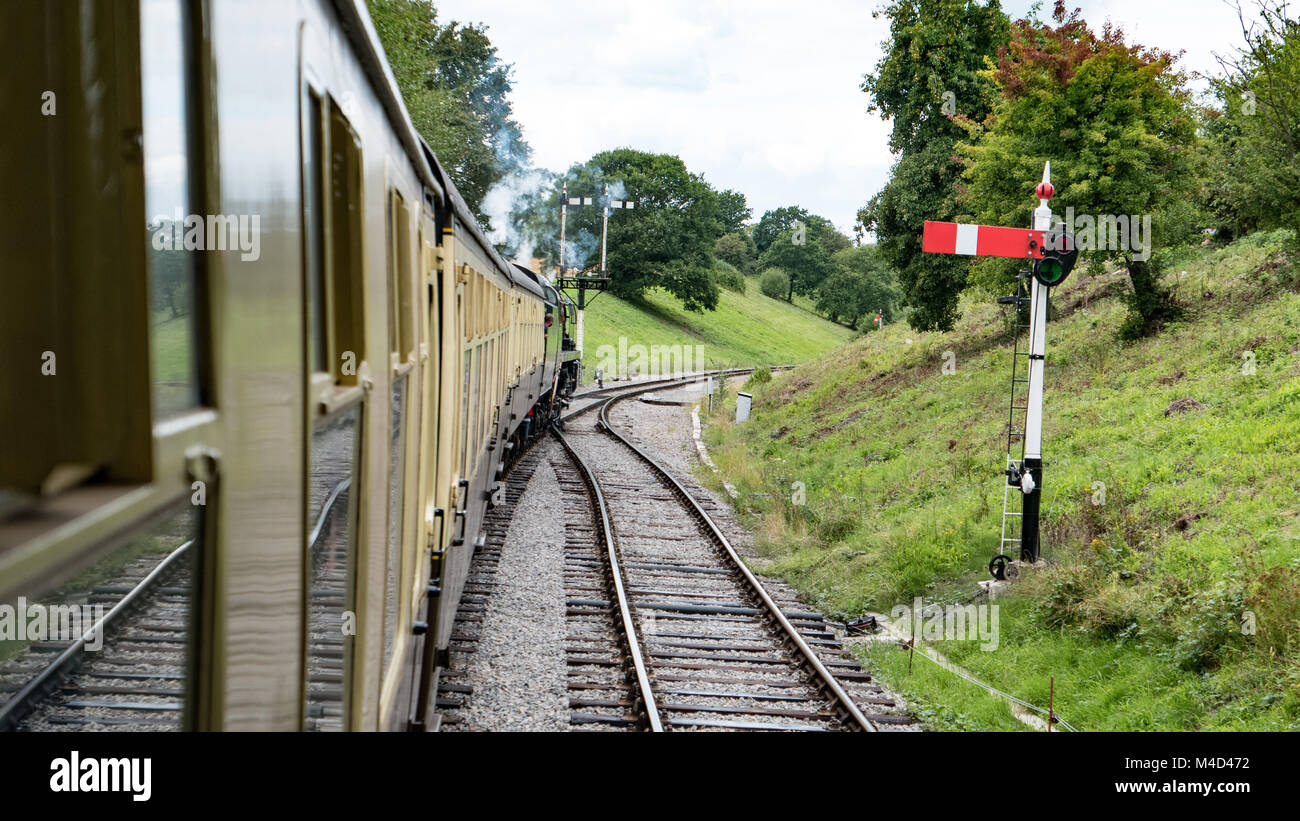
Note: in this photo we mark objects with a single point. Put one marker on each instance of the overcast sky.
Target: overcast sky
(757, 95)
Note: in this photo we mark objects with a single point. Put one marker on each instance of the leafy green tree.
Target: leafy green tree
(1115, 120)
(733, 211)
(927, 82)
(666, 241)
(859, 285)
(456, 90)
(816, 229)
(1255, 172)
(737, 249)
(806, 264)
(828, 237)
(773, 222)
(170, 274)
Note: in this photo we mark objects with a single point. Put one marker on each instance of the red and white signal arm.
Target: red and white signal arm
(877, 319)
(981, 240)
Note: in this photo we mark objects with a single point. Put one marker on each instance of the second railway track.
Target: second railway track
(701, 643)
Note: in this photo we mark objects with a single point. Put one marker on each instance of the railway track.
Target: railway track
(138, 679)
(669, 630)
(135, 681)
(594, 642)
(591, 400)
(602, 679)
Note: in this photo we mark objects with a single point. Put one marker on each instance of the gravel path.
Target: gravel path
(518, 670)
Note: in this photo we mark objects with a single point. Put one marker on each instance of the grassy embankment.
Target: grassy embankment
(748, 329)
(1167, 531)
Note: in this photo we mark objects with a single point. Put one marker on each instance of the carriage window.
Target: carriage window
(489, 388)
(472, 425)
(175, 234)
(396, 488)
(313, 216)
(330, 550)
(346, 282)
(132, 674)
(399, 274)
(464, 413)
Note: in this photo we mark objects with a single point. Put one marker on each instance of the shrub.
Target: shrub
(1211, 628)
(738, 250)
(726, 275)
(774, 283)
(1273, 601)
(761, 376)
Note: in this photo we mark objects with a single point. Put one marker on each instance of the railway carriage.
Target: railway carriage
(264, 371)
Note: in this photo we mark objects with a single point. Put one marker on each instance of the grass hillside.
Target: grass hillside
(1172, 499)
(749, 329)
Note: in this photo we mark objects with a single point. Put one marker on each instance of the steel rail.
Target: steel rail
(326, 510)
(601, 508)
(67, 660)
(847, 710)
(645, 387)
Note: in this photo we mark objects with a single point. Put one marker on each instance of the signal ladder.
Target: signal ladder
(1017, 408)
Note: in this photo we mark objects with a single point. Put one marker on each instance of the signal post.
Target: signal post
(1052, 253)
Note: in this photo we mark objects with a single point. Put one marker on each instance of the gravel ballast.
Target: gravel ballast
(518, 669)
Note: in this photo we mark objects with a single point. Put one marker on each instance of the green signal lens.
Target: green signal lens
(1050, 271)
(1058, 256)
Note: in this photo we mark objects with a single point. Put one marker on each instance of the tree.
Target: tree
(733, 211)
(170, 274)
(666, 241)
(859, 285)
(738, 250)
(1255, 177)
(456, 90)
(927, 82)
(774, 222)
(1116, 122)
(807, 264)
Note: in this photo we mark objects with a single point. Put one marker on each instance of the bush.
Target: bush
(726, 275)
(1273, 602)
(774, 283)
(1211, 628)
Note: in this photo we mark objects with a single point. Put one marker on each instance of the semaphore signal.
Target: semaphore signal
(582, 283)
(1052, 253)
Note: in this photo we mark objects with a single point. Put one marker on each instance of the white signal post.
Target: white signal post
(1031, 478)
(1038, 330)
(604, 227)
(564, 218)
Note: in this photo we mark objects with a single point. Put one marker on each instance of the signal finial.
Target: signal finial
(1044, 191)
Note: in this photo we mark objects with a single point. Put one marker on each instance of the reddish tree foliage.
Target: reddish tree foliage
(1055, 53)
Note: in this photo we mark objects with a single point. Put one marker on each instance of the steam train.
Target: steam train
(252, 329)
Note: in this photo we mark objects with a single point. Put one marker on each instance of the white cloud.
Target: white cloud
(760, 96)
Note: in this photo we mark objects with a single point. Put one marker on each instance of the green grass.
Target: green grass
(171, 363)
(1140, 615)
(749, 329)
